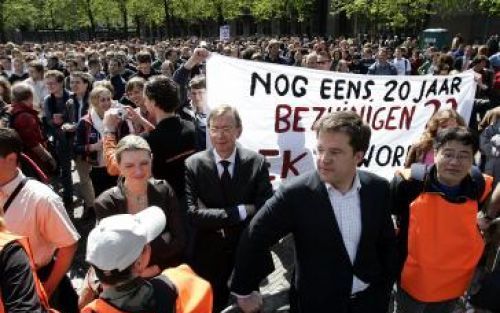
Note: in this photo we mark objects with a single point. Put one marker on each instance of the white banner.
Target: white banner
(279, 104)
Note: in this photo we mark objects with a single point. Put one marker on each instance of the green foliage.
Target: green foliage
(401, 13)
(18, 13)
(71, 14)
(490, 6)
(293, 9)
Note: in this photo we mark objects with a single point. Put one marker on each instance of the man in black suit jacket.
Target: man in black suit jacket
(340, 219)
(222, 201)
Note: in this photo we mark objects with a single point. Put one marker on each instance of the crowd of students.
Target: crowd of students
(132, 119)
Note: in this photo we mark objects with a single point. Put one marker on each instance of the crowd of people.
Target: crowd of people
(183, 228)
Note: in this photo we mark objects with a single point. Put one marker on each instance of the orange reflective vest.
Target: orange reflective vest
(194, 294)
(444, 246)
(6, 238)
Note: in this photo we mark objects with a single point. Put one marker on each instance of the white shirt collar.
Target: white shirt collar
(356, 186)
(231, 158)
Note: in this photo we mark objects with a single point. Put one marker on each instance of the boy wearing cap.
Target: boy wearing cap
(118, 250)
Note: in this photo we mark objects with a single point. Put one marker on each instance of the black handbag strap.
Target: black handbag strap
(14, 194)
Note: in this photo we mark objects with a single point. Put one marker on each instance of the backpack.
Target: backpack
(27, 165)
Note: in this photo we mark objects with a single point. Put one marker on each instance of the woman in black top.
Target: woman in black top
(137, 190)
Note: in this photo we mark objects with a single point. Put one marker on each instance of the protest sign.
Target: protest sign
(279, 105)
(224, 33)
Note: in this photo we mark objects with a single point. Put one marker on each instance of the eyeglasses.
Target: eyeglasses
(461, 158)
(221, 130)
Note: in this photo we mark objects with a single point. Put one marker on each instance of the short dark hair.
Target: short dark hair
(198, 82)
(37, 65)
(461, 134)
(113, 277)
(163, 91)
(57, 75)
(93, 62)
(347, 122)
(135, 82)
(21, 92)
(84, 76)
(10, 142)
(117, 60)
(143, 57)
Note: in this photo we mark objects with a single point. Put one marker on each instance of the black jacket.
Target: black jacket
(323, 270)
(164, 254)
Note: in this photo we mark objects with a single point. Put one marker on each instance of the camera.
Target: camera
(120, 112)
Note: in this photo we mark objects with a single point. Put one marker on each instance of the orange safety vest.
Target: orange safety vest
(444, 246)
(6, 238)
(194, 294)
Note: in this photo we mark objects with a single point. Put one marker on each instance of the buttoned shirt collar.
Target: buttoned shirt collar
(356, 186)
(231, 158)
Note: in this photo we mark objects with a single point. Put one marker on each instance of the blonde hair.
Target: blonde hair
(131, 143)
(96, 93)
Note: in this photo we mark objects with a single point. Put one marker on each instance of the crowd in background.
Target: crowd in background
(75, 105)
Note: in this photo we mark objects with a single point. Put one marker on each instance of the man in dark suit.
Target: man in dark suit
(340, 220)
(225, 186)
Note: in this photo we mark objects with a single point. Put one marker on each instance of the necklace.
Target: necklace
(141, 199)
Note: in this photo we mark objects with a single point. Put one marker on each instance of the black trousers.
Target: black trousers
(101, 180)
(64, 299)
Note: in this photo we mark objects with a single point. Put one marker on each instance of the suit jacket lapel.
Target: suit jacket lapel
(366, 209)
(238, 164)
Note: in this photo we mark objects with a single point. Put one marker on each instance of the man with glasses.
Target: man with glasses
(225, 186)
(439, 243)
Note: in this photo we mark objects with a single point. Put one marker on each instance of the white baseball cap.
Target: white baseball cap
(118, 240)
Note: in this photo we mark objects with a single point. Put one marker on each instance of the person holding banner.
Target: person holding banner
(340, 220)
(273, 53)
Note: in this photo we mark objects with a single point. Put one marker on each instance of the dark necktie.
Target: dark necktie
(225, 177)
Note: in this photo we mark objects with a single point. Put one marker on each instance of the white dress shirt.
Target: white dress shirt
(230, 168)
(347, 209)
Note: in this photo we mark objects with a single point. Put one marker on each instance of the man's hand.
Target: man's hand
(251, 303)
(199, 56)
